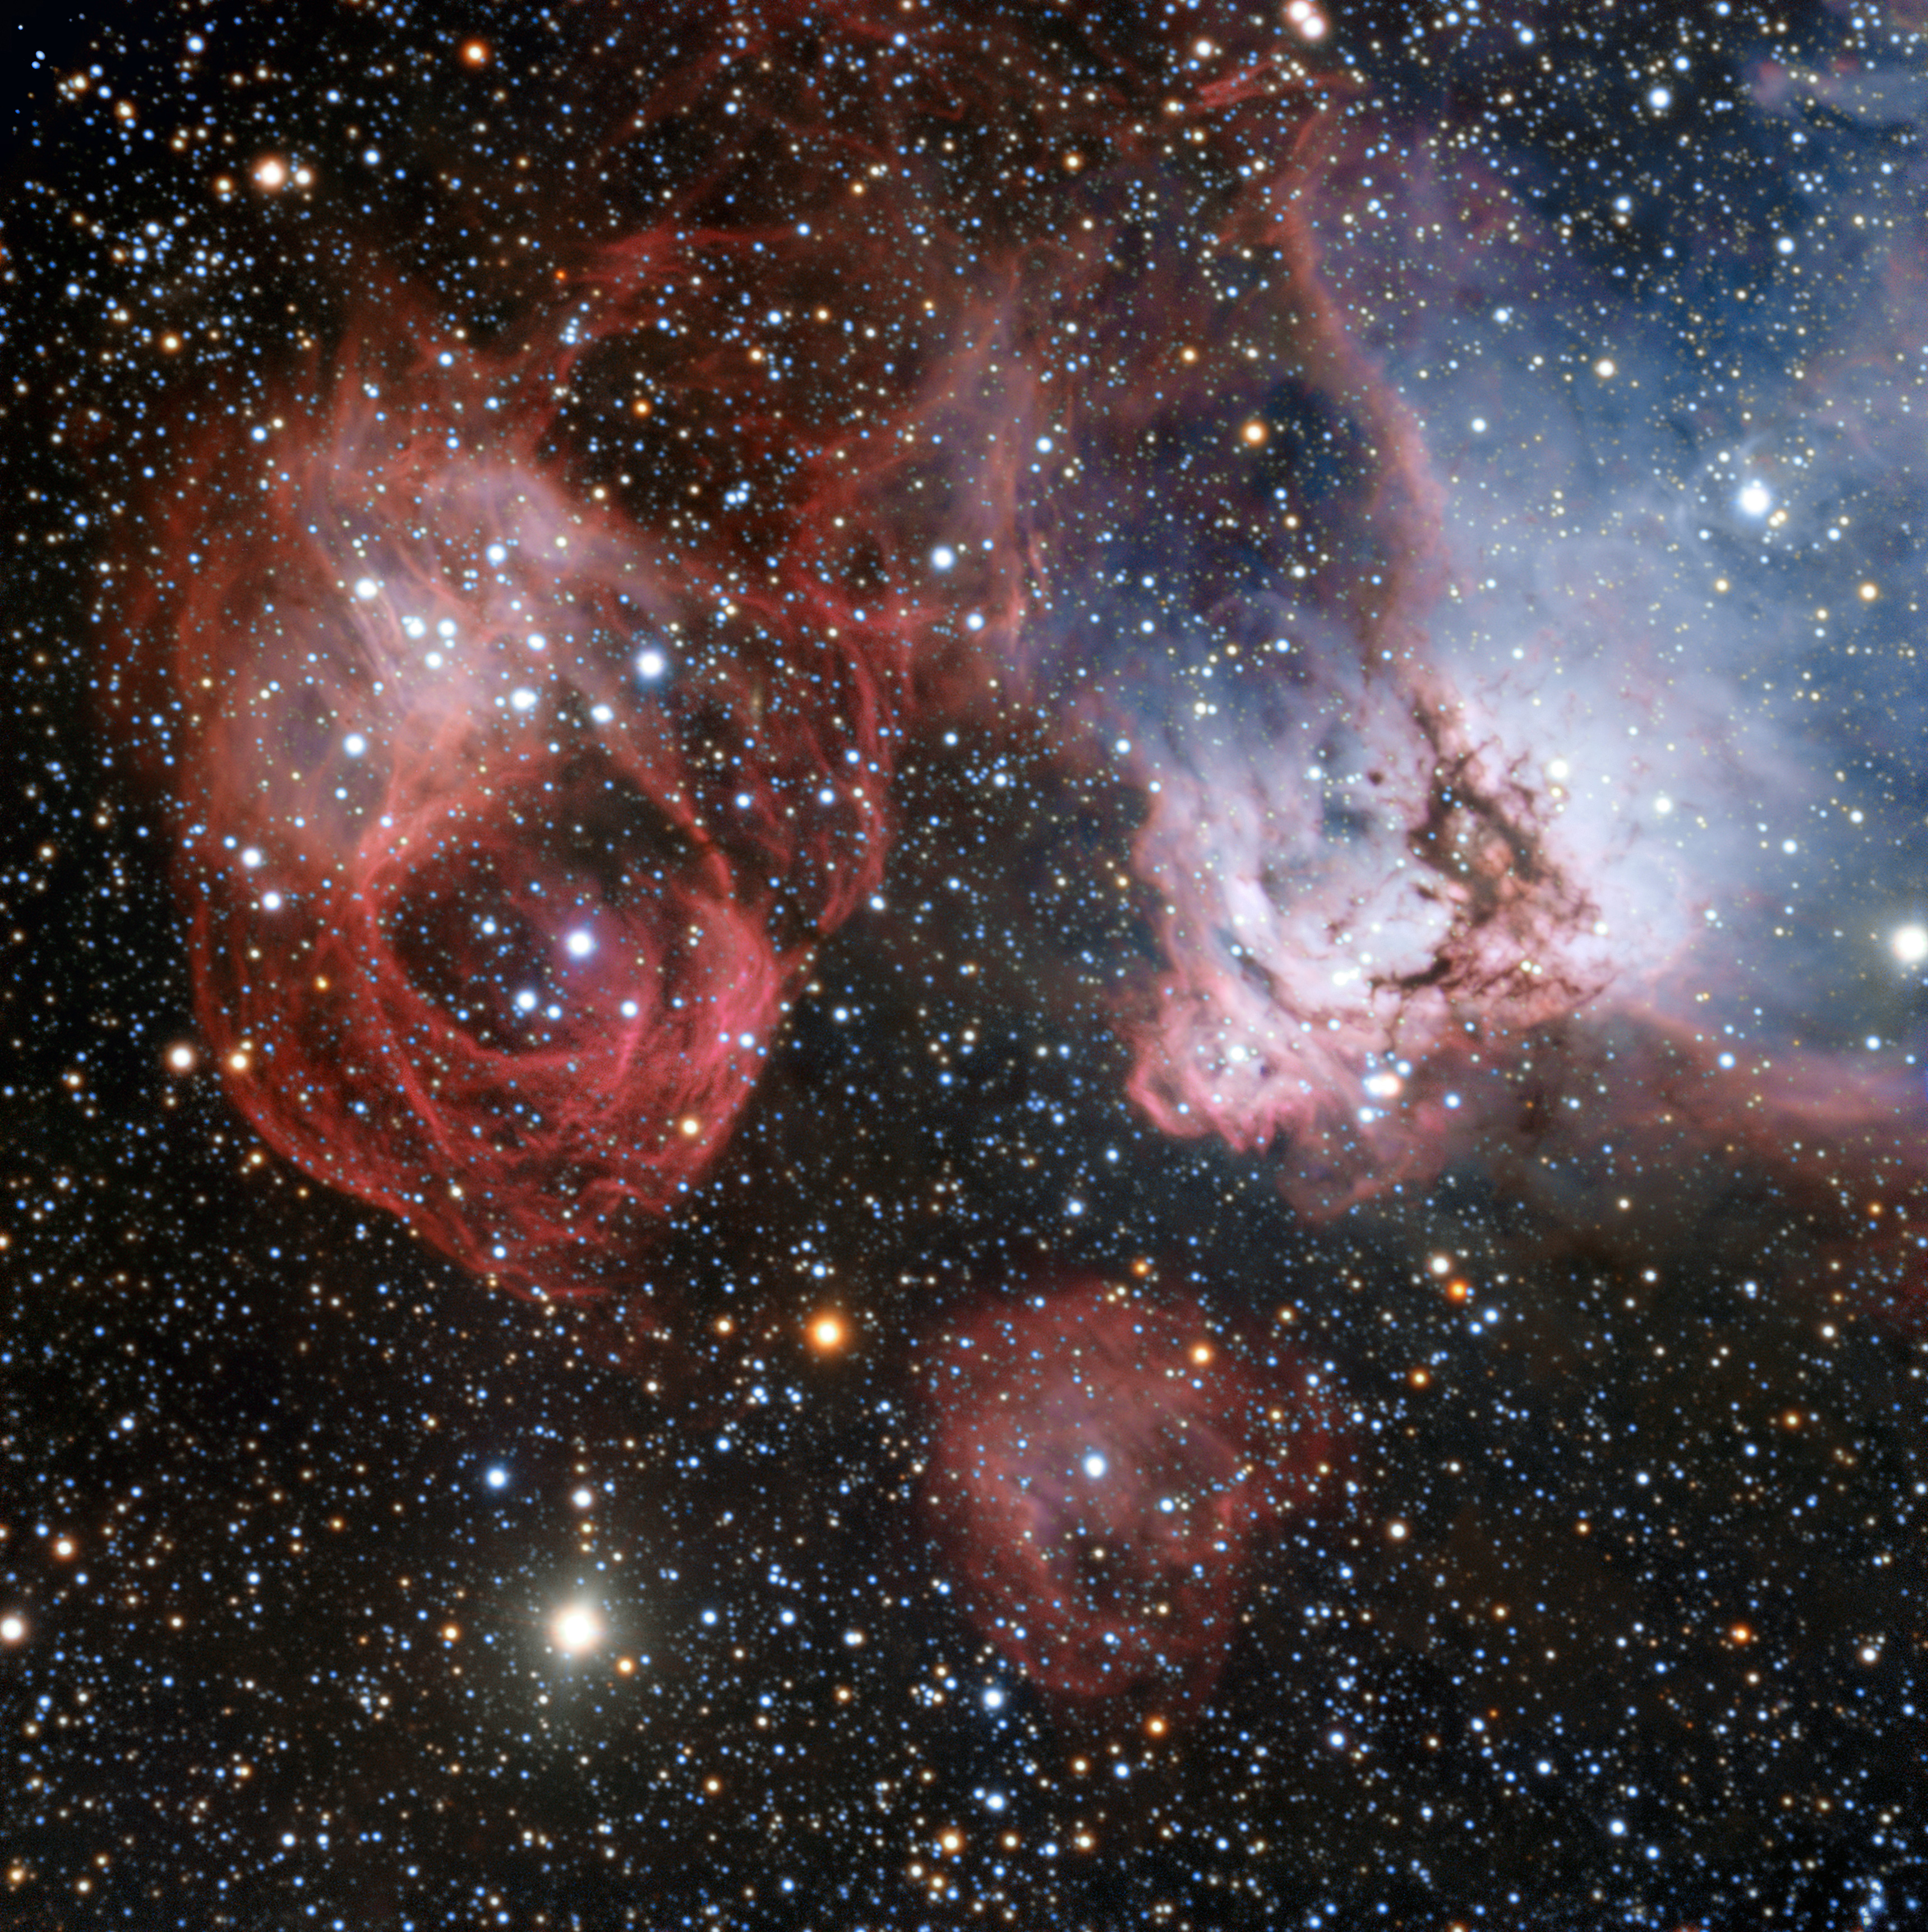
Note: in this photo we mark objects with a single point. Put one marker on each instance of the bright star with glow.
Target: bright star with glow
(577, 1628)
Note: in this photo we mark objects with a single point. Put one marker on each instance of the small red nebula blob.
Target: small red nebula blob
(1103, 1466)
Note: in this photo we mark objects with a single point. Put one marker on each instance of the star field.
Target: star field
(964, 967)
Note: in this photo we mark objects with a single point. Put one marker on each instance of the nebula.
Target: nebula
(1435, 705)
(501, 868)
(1370, 870)
(512, 778)
(528, 697)
(1140, 782)
(1102, 1466)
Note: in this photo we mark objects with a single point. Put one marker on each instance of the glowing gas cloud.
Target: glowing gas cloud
(1103, 1465)
(517, 771)
(501, 869)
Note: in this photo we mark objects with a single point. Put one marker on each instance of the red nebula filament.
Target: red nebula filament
(1102, 1467)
